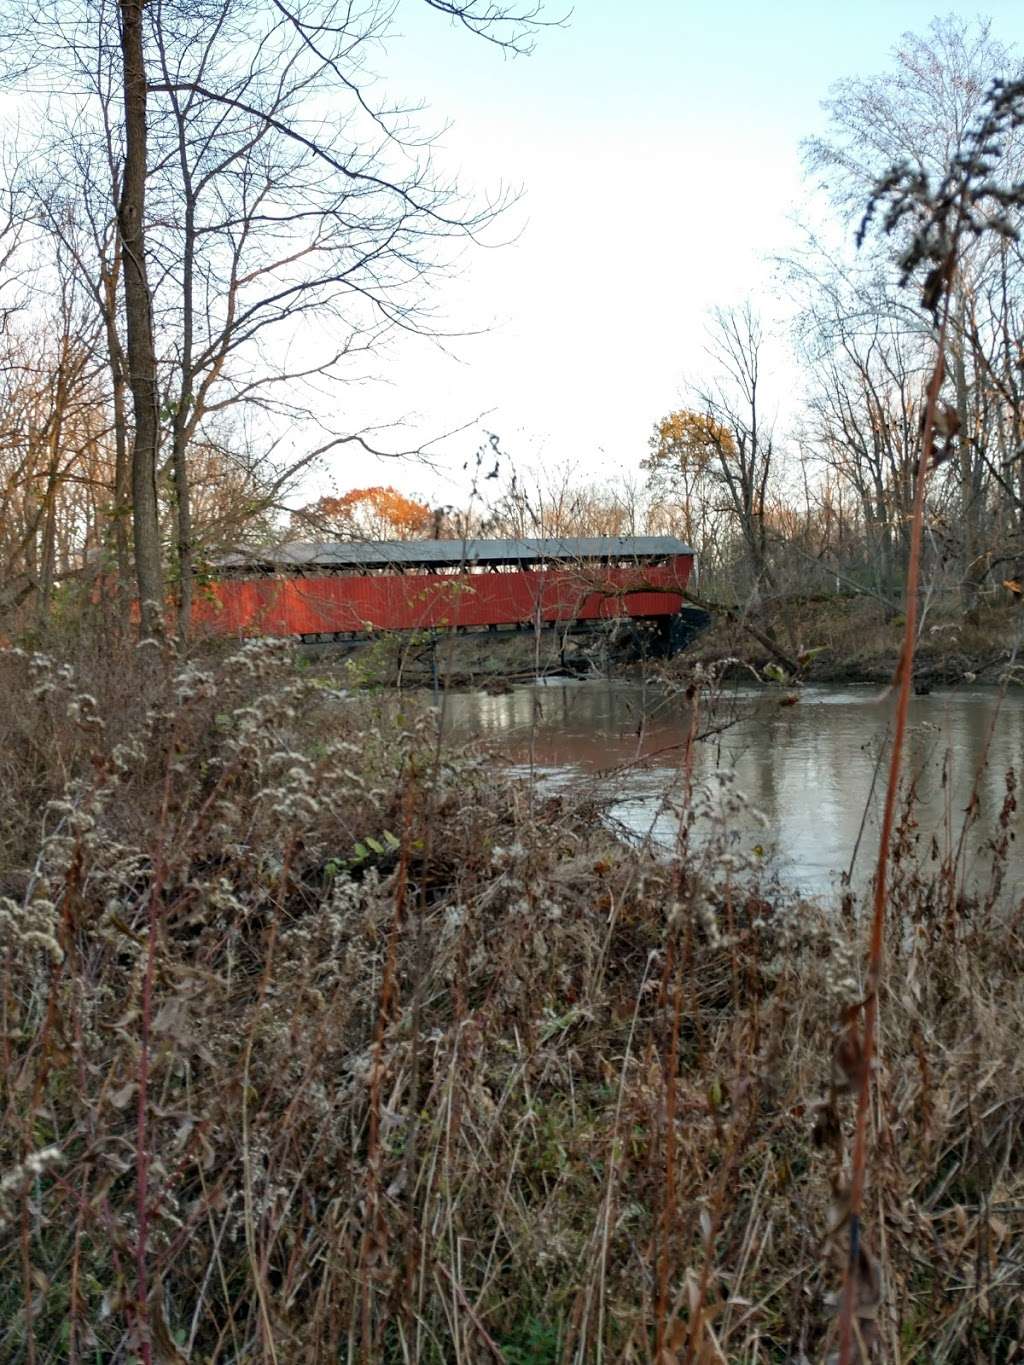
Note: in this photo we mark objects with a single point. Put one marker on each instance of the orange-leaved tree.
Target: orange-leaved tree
(687, 449)
(375, 513)
(688, 443)
(723, 445)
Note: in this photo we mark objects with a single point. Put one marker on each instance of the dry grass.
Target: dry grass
(322, 1045)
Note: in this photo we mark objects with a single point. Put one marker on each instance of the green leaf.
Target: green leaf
(806, 655)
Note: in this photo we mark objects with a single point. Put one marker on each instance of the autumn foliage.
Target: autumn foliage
(376, 513)
(688, 442)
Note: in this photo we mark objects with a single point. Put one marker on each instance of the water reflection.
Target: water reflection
(812, 768)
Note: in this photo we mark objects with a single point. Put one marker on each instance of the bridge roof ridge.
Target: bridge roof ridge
(299, 554)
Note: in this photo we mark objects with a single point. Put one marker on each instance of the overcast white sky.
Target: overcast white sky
(657, 144)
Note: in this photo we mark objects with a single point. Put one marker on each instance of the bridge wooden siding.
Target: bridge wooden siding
(315, 590)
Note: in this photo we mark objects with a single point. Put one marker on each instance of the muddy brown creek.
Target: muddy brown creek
(809, 778)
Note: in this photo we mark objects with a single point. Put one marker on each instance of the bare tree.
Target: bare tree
(865, 361)
(244, 209)
(919, 111)
(138, 308)
(741, 433)
(920, 114)
(54, 457)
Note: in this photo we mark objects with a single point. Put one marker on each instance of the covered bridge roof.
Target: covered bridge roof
(298, 555)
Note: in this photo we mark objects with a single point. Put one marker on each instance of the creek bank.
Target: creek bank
(842, 640)
(849, 640)
(497, 658)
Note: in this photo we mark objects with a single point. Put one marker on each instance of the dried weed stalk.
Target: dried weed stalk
(966, 204)
(320, 1043)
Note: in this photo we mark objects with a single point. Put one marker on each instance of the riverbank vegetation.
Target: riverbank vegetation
(831, 639)
(322, 1041)
(325, 1039)
(856, 639)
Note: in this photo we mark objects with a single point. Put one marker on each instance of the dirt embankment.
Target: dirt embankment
(824, 640)
(853, 639)
(487, 658)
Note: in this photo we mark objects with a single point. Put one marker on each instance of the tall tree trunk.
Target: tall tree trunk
(139, 318)
(184, 417)
(48, 561)
(183, 507)
(968, 493)
(48, 566)
(122, 471)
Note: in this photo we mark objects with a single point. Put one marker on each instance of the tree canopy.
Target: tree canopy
(376, 513)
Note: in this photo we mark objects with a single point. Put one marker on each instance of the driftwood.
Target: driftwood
(738, 616)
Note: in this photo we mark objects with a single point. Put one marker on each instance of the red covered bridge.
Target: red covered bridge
(319, 591)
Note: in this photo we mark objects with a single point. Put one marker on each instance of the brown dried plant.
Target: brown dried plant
(965, 205)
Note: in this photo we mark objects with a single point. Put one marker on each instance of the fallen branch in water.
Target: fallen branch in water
(737, 615)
